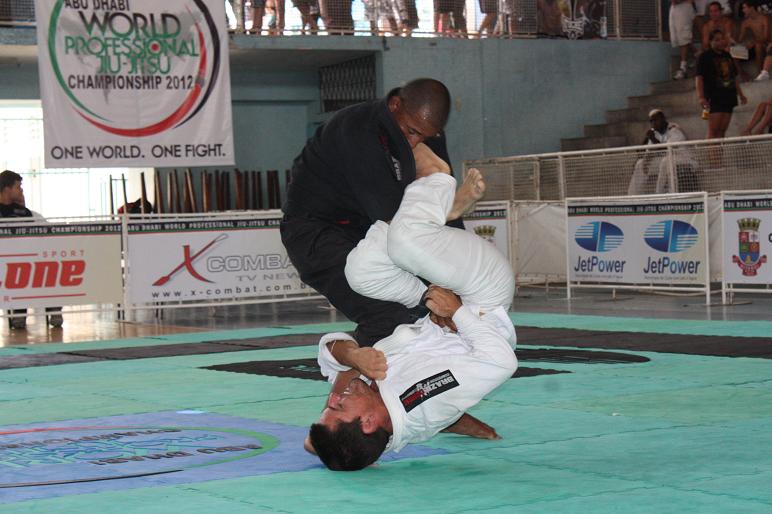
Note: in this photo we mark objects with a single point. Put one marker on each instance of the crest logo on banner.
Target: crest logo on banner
(749, 242)
(134, 82)
(671, 236)
(599, 236)
(487, 232)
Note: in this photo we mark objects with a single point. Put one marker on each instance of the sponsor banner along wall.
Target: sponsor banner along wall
(747, 222)
(662, 241)
(208, 259)
(490, 221)
(51, 265)
(134, 83)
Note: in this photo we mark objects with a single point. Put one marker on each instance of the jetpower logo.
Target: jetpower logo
(599, 236)
(103, 51)
(671, 236)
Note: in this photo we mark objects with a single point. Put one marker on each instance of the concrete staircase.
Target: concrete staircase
(678, 99)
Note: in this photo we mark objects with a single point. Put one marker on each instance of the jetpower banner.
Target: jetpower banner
(134, 83)
(747, 221)
(655, 242)
(51, 265)
(223, 259)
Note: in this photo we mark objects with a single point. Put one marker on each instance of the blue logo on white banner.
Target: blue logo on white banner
(671, 236)
(599, 236)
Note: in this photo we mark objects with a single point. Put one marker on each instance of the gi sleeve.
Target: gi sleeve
(490, 362)
(327, 363)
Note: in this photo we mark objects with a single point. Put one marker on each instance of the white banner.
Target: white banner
(208, 259)
(134, 83)
(747, 222)
(489, 221)
(50, 265)
(659, 241)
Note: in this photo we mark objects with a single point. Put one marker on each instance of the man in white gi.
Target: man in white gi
(422, 378)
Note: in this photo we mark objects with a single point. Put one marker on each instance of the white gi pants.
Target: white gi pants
(386, 263)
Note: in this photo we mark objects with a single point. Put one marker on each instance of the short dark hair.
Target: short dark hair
(714, 33)
(427, 95)
(347, 448)
(9, 178)
(717, 4)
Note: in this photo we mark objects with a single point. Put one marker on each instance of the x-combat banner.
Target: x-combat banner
(662, 241)
(747, 221)
(134, 83)
(574, 19)
(212, 259)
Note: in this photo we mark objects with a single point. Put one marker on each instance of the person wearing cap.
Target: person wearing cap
(643, 180)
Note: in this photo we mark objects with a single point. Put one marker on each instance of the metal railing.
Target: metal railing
(623, 19)
(714, 165)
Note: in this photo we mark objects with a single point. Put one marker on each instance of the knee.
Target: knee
(401, 244)
(356, 272)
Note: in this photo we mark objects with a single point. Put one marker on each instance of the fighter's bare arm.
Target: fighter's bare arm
(473, 427)
(367, 361)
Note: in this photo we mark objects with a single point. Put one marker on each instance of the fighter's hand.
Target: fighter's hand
(442, 302)
(370, 362)
(443, 322)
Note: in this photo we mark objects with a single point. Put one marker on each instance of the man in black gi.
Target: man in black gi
(351, 173)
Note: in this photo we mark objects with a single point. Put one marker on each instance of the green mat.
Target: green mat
(676, 434)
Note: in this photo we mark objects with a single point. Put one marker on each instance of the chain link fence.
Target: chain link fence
(628, 19)
(731, 164)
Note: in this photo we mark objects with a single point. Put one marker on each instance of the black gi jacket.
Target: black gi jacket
(346, 173)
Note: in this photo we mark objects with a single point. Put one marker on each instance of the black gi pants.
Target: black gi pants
(318, 250)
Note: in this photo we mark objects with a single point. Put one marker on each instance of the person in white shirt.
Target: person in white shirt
(642, 180)
(425, 376)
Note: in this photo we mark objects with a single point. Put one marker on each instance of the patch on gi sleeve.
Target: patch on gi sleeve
(427, 388)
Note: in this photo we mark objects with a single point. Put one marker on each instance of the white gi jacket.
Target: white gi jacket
(434, 375)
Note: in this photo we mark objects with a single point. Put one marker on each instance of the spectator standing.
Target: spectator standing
(305, 7)
(490, 10)
(12, 205)
(258, 11)
(649, 166)
(681, 20)
(717, 84)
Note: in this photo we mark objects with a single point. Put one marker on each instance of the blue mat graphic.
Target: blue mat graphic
(142, 450)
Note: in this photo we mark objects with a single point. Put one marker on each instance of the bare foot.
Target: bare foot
(427, 162)
(468, 194)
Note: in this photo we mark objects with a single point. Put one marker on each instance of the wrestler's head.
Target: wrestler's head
(748, 8)
(421, 109)
(714, 11)
(10, 188)
(351, 433)
(718, 40)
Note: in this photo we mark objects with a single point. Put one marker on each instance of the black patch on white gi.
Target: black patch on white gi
(427, 388)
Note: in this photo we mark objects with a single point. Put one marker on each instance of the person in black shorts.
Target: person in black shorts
(717, 84)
